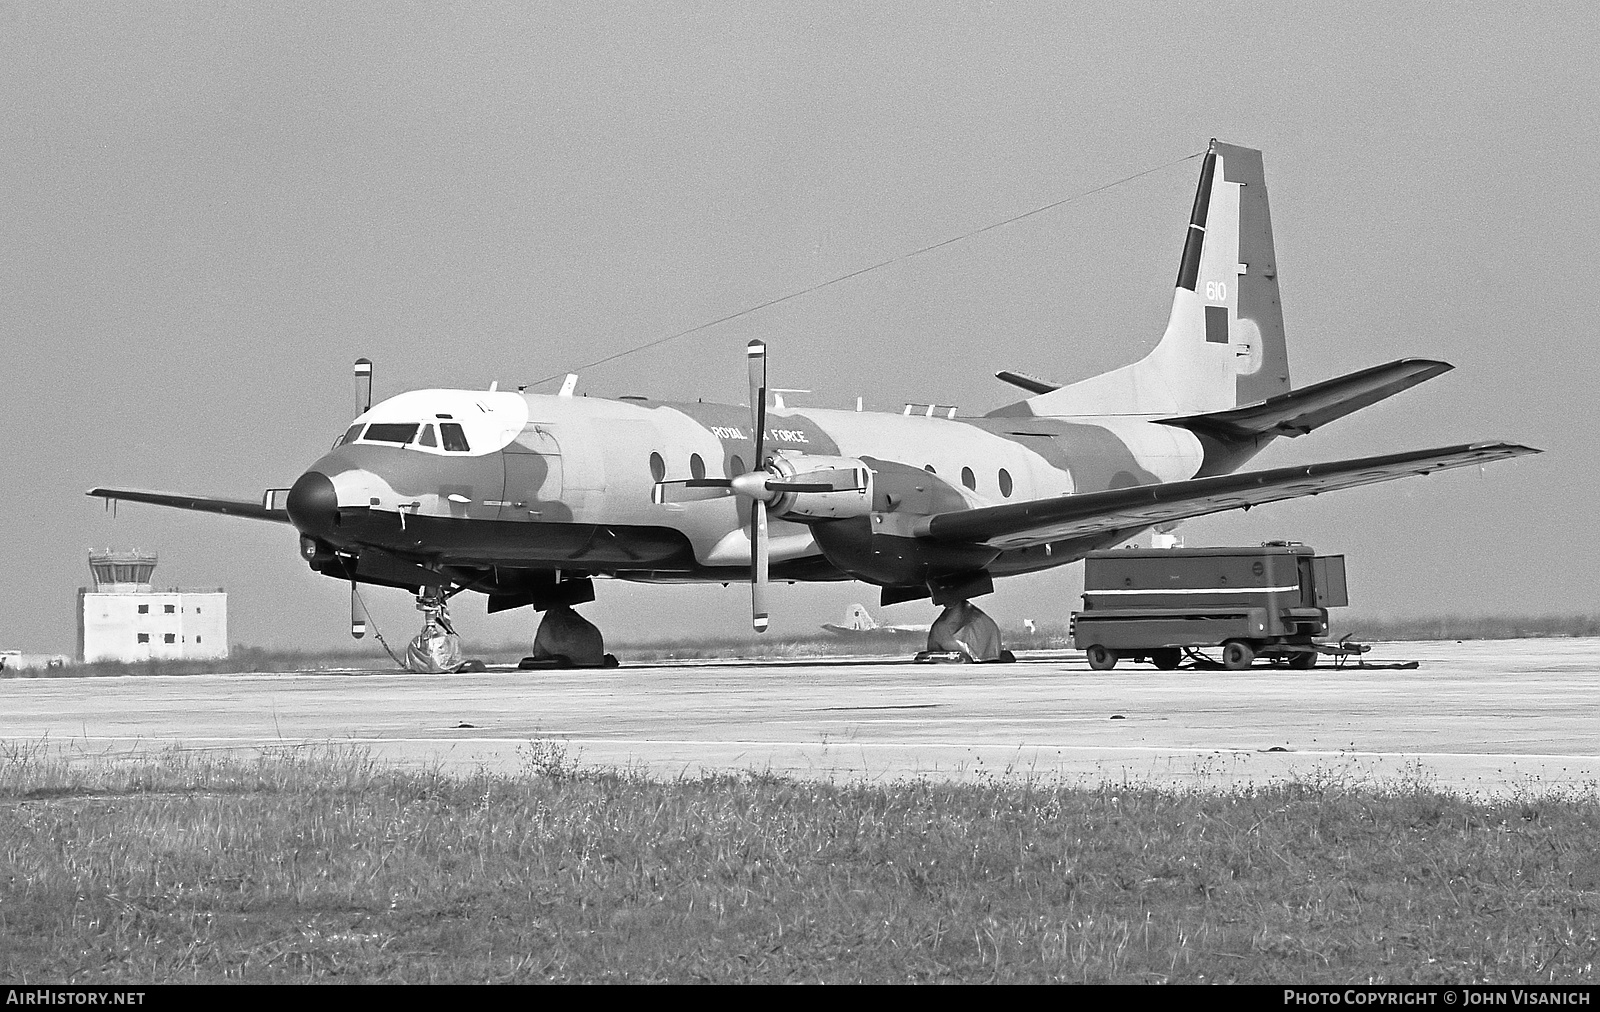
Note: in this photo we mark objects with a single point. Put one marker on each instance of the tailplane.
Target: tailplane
(1299, 411)
(1224, 344)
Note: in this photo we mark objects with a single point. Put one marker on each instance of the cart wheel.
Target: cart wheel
(1237, 655)
(1303, 661)
(1166, 658)
(1101, 659)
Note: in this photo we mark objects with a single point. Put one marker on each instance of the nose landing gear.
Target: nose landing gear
(437, 648)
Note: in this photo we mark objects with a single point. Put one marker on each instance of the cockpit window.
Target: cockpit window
(427, 437)
(349, 436)
(455, 440)
(391, 432)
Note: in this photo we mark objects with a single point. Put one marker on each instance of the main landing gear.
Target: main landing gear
(964, 632)
(567, 640)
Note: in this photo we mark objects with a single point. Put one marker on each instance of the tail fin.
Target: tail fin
(1224, 344)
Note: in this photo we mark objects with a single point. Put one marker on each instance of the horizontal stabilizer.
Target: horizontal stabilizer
(1299, 411)
(254, 509)
(1040, 521)
(1032, 384)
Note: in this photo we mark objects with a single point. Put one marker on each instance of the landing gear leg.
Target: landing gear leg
(569, 640)
(965, 628)
(437, 648)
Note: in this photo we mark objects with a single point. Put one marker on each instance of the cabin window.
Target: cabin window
(929, 468)
(170, 609)
(697, 467)
(144, 609)
(969, 479)
(427, 437)
(658, 467)
(735, 465)
(1005, 483)
(170, 638)
(455, 439)
(144, 637)
(391, 432)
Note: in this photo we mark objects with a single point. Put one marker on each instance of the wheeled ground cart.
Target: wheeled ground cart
(1158, 605)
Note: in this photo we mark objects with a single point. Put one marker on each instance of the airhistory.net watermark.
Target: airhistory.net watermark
(59, 996)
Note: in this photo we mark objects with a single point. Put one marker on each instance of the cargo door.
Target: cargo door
(1328, 571)
(533, 476)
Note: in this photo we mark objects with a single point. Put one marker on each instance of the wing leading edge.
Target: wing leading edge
(1038, 521)
(229, 507)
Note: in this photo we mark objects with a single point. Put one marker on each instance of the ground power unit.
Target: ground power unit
(1270, 601)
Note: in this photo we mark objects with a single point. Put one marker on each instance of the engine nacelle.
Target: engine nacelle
(850, 494)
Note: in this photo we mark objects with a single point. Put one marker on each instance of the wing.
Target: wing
(1039, 521)
(255, 510)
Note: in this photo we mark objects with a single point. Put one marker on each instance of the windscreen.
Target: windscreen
(391, 432)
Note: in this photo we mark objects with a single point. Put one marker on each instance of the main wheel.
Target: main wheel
(1167, 658)
(1237, 655)
(1303, 661)
(1101, 659)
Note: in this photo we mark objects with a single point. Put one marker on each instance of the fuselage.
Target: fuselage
(487, 479)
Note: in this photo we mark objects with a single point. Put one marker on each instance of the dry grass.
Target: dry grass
(1465, 627)
(329, 866)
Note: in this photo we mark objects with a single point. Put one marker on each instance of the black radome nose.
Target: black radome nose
(313, 504)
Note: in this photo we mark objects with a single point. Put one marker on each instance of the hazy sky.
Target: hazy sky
(208, 211)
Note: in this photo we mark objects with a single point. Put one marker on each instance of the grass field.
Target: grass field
(329, 866)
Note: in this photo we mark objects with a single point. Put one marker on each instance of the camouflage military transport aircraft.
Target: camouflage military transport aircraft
(526, 498)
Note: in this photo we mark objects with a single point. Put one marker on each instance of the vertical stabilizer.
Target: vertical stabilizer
(1224, 345)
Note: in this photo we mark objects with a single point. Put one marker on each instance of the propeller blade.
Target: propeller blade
(692, 490)
(795, 486)
(754, 485)
(828, 479)
(363, 373)
(758, 565)
(756, 353)
(358, 614)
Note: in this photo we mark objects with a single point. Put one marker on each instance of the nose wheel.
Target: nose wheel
(437, 648)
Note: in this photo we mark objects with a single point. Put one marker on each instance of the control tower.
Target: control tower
(125, 618)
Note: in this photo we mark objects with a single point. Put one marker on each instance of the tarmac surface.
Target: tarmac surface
(1482, 717)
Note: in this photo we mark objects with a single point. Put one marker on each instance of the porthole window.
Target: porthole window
(697, 467)
(969, 479)
(658, 467)
(735, 465)
(1005, 483)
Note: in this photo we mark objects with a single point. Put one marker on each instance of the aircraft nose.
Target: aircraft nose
(312, 503)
